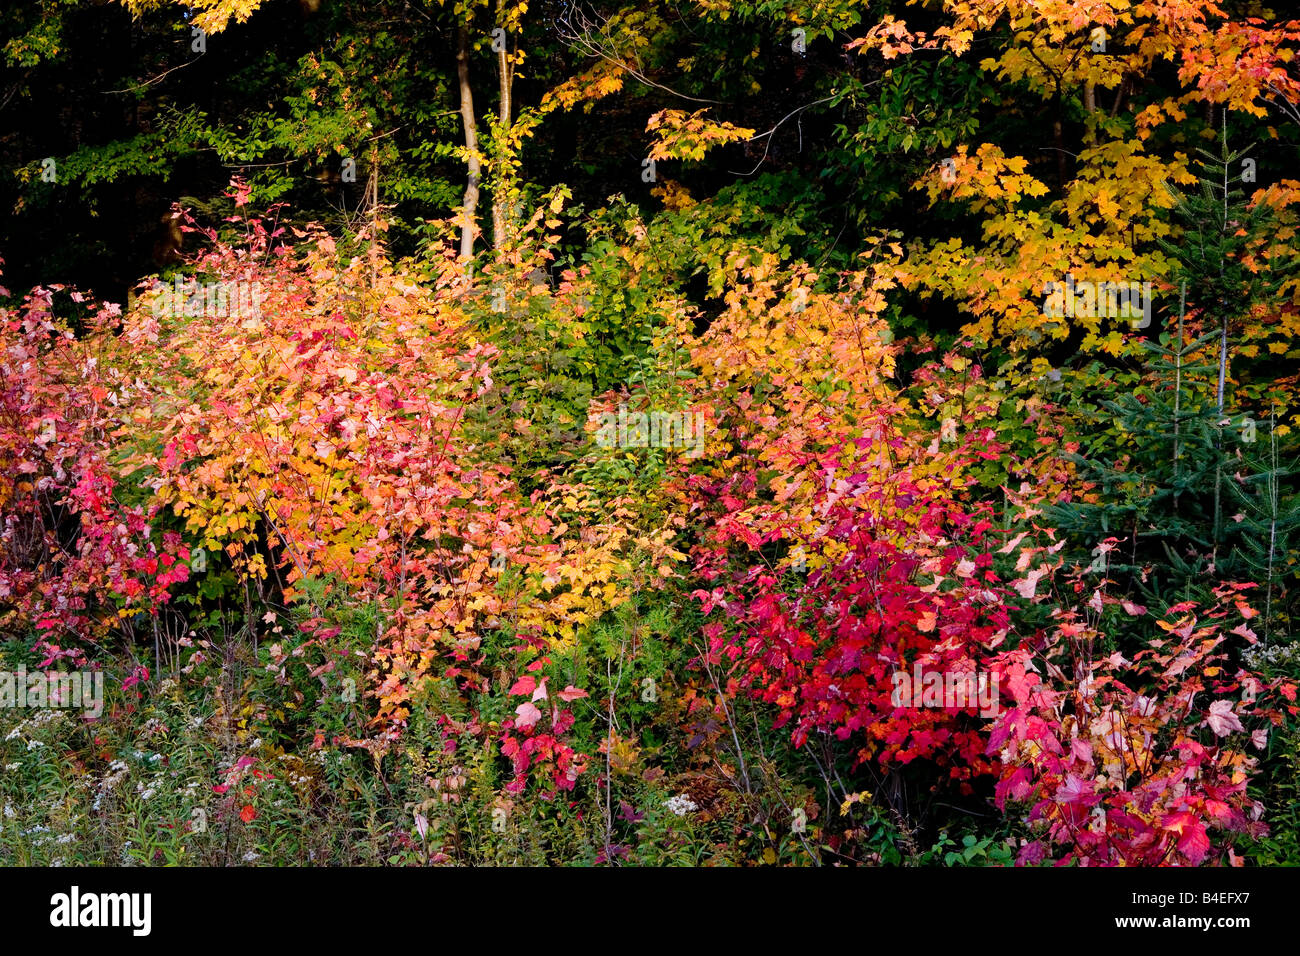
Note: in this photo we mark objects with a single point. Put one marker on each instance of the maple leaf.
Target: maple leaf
(1074, 790)
(1027, 587)
(524, 686)
(1193, 842)
(1222, 720)
(680, 136)
(528, 715)
(1018, 681)
(1011, 545)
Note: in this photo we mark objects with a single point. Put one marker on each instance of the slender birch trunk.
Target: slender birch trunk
(468, 120)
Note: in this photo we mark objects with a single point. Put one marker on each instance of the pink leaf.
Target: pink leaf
(1028, 586)
(1073, 790)
(528, 715)
(1222, 720)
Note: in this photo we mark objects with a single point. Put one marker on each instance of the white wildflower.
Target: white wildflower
(681, 804)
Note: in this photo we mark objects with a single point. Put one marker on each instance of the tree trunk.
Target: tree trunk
(471, 143)
(505, 81)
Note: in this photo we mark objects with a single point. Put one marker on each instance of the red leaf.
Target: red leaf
(1192, 839)
(524, 686)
